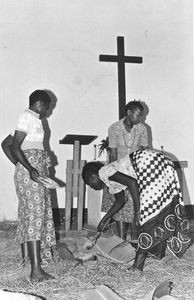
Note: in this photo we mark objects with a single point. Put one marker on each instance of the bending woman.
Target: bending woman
(159, 212)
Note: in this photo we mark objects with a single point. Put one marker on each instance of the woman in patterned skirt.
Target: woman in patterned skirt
(158, 206)
(24, 148)
(125, 136)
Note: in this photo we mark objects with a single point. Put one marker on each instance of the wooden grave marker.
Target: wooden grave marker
(75, 187)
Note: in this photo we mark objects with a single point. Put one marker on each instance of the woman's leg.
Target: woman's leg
(139, 260)
(25, 253)
(159, 250)
(122, 228)
(37, 273)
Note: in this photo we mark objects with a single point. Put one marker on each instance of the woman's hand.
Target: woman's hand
(34, 174)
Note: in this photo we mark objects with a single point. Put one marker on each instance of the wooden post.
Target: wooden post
(81, 202)
(69, 196)
(76, 162)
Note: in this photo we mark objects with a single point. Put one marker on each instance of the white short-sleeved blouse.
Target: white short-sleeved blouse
(122, 165)
(126, 142)
(30, 123)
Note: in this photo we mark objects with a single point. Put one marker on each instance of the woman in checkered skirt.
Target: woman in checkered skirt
(159, 212)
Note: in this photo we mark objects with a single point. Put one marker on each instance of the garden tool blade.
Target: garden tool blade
(122, 244)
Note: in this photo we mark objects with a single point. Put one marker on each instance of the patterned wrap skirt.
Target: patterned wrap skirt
(162, 213)
(35, 218)
(125, 214)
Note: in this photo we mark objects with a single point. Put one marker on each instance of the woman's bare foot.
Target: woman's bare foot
(134, 268)
(40, 275)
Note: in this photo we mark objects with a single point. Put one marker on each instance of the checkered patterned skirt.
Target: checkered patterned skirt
(162, 215)
(35, 219)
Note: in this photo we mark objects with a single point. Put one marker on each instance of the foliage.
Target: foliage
(103, 146)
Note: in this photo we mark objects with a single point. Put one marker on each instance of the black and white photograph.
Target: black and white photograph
(97, 164)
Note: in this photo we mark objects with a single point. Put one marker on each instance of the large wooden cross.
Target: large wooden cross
(121, 59)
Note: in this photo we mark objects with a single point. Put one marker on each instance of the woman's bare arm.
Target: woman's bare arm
(18, 138)
(132, 185)
(117, 205)
(112, 154)
(6, 146)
